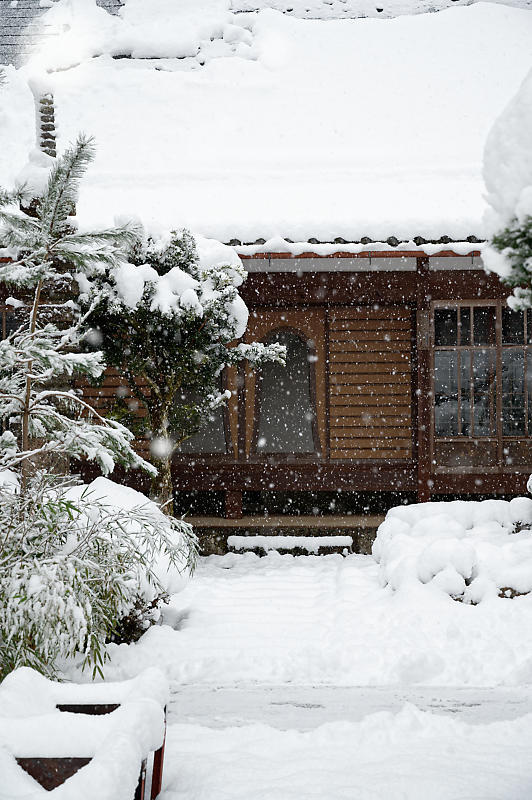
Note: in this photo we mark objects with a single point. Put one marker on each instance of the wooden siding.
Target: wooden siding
(370, 383)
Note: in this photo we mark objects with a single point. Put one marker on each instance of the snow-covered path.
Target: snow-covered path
(307, 707)
(305, 678)
(326, 620)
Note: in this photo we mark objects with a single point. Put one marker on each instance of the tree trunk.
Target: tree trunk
(26, 465)
(162, 490)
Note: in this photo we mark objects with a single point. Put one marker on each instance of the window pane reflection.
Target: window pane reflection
(513, 329)
(513, 392)
(484, 325)
(285, 409)
(445, 327)
(465, 326)
(446, 393)
(465, 393)
(484, 392)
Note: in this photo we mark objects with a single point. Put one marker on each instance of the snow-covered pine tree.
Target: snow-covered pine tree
(37, 417)
(173, 320)
(72, 567)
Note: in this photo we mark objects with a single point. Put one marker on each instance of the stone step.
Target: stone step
(213, 532)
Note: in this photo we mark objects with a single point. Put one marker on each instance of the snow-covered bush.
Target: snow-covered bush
(468, 549)
(75, 562)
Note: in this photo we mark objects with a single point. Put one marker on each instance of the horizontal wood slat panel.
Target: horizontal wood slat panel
(357, 314)
(392, 402)
(362, 416)
(341, 356)
(369, 336)
(370, 325)
(370, 389)
(368, 347)
(371, 444)
(367, 368)
(338, 341)
(375, 391)
(358, 432)
(348, 379)
(371, 454)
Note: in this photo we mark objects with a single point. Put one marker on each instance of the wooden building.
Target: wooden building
(405, 373)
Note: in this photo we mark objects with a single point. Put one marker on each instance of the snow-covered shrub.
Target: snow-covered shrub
(74, 562)
(468, 549)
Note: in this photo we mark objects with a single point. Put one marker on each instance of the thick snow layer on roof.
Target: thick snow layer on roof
(298, 128)
(346, 9)
(336, 129)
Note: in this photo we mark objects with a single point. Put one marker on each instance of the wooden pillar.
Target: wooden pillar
(424, 392)
(233, 497)
(233, 504)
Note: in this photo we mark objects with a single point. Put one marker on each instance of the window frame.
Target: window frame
(498, 347)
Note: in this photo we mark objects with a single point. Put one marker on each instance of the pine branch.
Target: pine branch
(62, 190)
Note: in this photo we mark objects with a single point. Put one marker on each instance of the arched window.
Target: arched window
(285, 404)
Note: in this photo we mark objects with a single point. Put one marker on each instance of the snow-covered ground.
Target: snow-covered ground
(305, 677)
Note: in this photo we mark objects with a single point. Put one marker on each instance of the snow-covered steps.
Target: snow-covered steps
(301, 534)
(317, 545)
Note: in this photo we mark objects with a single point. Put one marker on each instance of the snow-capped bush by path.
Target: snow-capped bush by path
(469, 550)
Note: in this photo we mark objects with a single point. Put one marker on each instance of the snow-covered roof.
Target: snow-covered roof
(248, 127)
(353, 9)
(21, 31)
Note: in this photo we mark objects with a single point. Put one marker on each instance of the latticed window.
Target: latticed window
(482, 371)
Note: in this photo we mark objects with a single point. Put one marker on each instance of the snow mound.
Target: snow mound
(469, 550)
(411, 755)
(114, 497)
(79, 29)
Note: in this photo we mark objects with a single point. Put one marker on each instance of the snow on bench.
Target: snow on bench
(311, 544)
